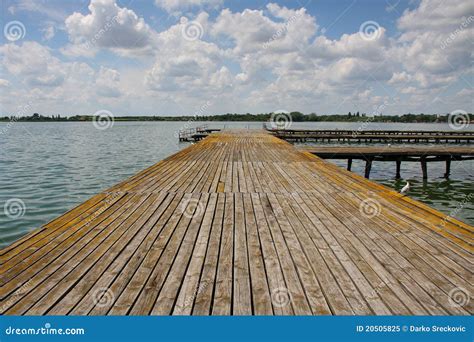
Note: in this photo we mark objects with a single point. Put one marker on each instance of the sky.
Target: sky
(204, 57)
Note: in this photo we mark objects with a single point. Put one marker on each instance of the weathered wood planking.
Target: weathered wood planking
(395, 153)
(242, 223)
(361, 135)
(456, 152)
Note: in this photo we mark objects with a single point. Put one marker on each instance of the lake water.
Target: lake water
(52, 167)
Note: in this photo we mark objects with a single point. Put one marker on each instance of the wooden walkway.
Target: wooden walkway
(344, 152)
(242, 223)
(374, 136)
(423, 155)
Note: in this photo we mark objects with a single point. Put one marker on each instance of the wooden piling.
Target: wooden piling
(424, 168)
(399, 163)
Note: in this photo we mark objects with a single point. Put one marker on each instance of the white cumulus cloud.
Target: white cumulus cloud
(108, 26)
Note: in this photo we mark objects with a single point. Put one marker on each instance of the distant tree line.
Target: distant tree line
(295, 116)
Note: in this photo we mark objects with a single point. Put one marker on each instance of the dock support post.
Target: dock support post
(349, 164)
(448, 168)
(368, 166)
(424, 168)
(399, 163)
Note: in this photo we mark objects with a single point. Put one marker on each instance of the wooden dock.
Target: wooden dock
(374, 136)
(195, 133)
(396, 154)
(242, 223)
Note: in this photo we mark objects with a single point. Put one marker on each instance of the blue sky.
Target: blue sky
(174, 57)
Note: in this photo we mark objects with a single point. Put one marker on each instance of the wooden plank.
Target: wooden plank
(30, 274)
(294, 289)
(280, 297)
(203, 300)
(146, 269)
(261, 297)
(58, 241)
(242, 298)
(307, 277)
(104, 271)
(114, 280)
(44, 281)
(170, 288)
(222, 304)
(99, 258)
(148, 296)
(191, 285)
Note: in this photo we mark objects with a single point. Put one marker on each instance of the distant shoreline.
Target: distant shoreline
(293, 116)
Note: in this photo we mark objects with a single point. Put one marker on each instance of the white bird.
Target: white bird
(405, 189)
(389, 145)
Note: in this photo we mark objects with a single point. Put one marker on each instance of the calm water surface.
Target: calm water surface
(52, 167)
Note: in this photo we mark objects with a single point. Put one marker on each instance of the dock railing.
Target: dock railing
(187, 133)
(371, 132)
